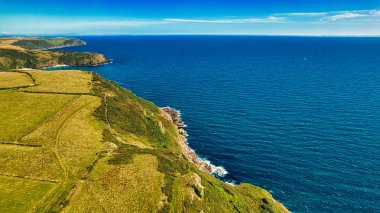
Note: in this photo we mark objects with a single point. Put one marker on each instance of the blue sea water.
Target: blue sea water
(298, 116)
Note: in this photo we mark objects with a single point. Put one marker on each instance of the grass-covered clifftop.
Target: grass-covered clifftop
(80, 143)
(17, 53)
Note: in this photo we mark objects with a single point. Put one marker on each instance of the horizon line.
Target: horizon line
(182, 34)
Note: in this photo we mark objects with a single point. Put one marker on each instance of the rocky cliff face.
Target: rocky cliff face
(73, 42)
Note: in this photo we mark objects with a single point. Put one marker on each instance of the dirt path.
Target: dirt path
(54, 194)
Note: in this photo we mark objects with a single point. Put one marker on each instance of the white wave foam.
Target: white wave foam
(231, 182)
(60, 65)
(217, 170)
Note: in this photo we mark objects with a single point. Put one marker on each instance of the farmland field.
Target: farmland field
(17, 120)
(19, 194)
(14, 79)
(137, 185)
(61, 82)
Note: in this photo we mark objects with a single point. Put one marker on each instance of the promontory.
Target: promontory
(72, 141)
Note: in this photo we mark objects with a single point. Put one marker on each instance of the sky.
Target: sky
(155, 17)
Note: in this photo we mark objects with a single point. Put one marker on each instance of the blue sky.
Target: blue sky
(266, 17)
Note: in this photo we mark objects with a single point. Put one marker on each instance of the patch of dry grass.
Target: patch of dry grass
(14, 79)
(6, 43)
(64, 81)
(30, 162)
(18, 194)
(20, 113)
(134, 187)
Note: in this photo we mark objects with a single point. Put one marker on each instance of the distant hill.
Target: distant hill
(17, 53)
(48, 43)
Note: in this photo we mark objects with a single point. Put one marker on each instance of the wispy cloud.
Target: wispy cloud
(331, 15)
(341, 16)
(269, 19)
(301, 17)
(305, 14)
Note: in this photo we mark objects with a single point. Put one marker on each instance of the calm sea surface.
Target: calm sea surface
(298, 116)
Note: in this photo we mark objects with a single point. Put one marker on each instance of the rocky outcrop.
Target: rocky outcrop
(190, 154)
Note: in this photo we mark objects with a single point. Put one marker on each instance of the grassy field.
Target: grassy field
(79, 148)
(78, 143)
(79, 82)
(17, 120)
(19, 194)
(134, 187)
(50, 137)
(31, 162)
(14, 79)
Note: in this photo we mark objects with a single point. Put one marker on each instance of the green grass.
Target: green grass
(79, 148)
(63, 138)
(75, 138)
(133, 187)
(30, 162)
(20, 113)
(14, 79)
(19, 195)
(67, 81)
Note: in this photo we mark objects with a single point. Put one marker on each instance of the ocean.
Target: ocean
(298, 116)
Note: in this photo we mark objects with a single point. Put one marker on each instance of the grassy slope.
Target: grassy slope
(110, 152)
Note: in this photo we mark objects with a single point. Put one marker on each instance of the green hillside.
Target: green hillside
(47, 43)
(89, 145)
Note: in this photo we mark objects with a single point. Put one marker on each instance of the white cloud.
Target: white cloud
(270, 19)
(330, 15)
(306, 14)
(343, 16)
(301, 17)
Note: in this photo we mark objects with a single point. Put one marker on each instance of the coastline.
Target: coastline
(65, 65)
(206, 166)
(63, 46)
